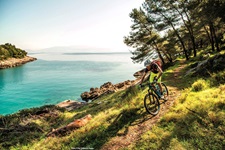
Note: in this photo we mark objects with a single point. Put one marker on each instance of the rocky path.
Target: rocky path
(135, 131)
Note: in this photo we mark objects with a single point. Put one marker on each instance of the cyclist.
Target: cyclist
(154, 67)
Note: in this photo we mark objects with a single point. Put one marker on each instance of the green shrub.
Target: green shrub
(218, 78)
(8, 50)
(199, 85)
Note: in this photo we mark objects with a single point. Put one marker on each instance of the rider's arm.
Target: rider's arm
(142, 79)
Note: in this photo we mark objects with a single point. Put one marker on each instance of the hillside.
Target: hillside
(10, 51)
(192, 118)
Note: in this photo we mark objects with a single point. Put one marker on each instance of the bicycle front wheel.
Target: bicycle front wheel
(151, 103)
(165, 92)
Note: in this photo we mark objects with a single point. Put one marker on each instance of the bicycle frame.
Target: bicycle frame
(151, 99)
(152, 89)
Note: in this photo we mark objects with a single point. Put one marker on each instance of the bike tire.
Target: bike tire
(165, 91)
(151, 103)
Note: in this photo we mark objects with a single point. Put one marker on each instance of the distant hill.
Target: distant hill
(75, 49)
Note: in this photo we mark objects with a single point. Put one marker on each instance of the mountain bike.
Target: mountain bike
(151, 99)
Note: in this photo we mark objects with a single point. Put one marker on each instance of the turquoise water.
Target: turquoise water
(57, 77)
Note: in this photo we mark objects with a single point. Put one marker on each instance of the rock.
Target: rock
(208, 66)
(106, 85)
(85, 96)
(128, 82)
(120, 85)
(106, 88)
(93, 95)
(70, 104)
(139, 73)
(71, 126)
(13, 62)
(92, 89)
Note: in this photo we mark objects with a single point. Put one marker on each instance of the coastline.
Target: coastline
(13, 62)
(104, 89)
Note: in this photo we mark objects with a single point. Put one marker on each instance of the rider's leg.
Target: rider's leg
(151, 79)
(160, 85)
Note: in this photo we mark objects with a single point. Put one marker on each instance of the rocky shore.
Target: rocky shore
(13, 62)
(108, 87)
(95, 93)
(104, 89)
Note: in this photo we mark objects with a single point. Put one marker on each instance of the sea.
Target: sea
(56, 77)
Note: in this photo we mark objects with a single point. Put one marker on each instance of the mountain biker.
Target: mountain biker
(154, 67)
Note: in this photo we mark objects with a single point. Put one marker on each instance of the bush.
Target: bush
(199, 85)
(218, 78)
(8, 50)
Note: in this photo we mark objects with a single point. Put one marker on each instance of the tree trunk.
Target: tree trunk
(212, 38)
(178, 35)
(201, 43)
(215, 38)
(194, 46)
(161, 58)
(169, 57)
(209, 37)
(189, 28)
(182, 43)
(158, 52)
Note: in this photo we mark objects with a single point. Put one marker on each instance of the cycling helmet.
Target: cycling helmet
(147, 62)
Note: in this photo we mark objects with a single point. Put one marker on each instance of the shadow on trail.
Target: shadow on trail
(119, 127)
(177, 78)
(19, 129)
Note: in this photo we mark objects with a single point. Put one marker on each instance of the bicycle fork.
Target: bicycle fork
(150, 94)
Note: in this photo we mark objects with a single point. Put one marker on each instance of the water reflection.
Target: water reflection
(2, 83)
(11, 76)
(55, 78)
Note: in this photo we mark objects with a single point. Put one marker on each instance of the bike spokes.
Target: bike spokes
(152, 104)
(165, 92)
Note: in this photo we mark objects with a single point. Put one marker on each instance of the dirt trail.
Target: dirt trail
(145, 124)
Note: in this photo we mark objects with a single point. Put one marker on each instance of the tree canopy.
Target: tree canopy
(10, 51)
(169, 28)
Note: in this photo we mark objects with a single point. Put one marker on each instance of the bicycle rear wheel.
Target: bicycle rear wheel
(165, 92)
(151, 103)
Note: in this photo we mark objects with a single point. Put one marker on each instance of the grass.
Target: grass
(112, 114)
(196, 121)
(199, 85)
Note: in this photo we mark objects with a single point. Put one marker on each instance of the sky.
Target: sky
(41, 24)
